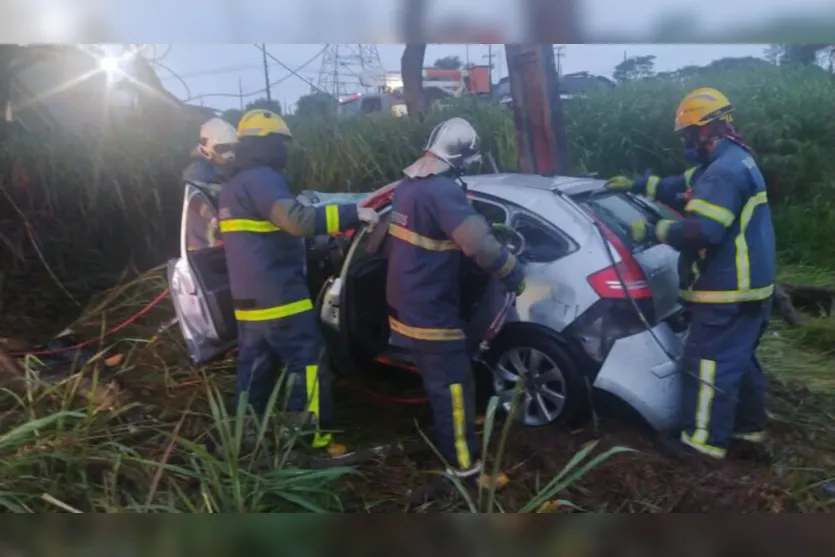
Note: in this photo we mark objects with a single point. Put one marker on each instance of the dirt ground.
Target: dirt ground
(159, 383)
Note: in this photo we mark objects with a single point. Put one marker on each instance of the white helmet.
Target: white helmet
(217, 140)
(453, 145)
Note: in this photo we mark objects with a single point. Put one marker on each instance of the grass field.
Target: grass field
(80, 233)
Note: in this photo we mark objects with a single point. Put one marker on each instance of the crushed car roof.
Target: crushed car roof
(565, 184)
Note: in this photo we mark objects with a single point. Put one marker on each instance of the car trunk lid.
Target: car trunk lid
(659, 262)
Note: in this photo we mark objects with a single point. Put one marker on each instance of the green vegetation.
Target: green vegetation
(79, 219)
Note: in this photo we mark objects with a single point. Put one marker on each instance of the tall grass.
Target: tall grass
(111, 202)
(76, 217)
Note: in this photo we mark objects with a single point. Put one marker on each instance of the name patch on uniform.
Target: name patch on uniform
(399, 219)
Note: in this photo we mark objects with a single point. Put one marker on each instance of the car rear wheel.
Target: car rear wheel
(553, 390)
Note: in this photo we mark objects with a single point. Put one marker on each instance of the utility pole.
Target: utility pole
(467, 55)
(266, 71)
(241, 93)
(560, 52)
(489, 57)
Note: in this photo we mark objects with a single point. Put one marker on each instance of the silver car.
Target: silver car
(600, 314)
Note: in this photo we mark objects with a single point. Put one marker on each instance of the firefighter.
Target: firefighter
(432, 228)
(727, 265)
(212, 164)
(262, 224)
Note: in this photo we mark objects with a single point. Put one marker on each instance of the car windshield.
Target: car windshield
(618, 211)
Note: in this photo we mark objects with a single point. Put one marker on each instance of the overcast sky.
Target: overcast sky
(213, 74)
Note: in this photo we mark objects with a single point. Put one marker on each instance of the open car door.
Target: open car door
(352, 305)
(200, 284)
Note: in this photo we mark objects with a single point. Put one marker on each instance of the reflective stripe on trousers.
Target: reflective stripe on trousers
(275, 312)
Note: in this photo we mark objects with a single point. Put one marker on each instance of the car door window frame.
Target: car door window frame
(190, 193)
(480, 198)
(547, 229)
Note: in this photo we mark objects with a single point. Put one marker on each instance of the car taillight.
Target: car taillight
(609, 283)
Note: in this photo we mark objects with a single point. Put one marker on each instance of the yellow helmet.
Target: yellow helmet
(701, 107)
(260, 122)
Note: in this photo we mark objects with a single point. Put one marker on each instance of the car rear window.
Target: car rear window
(619, 210)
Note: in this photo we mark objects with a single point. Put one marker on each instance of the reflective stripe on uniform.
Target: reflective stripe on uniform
(707, 392)
(420, 333)
(652, 186)
(332, 219)
(728, 296)
(247, 225)
(711, 211)
(743, 264)
(459, 425)
(276, 312)
(744, 292)
(421, 241)
(688, 175)
(320, 440)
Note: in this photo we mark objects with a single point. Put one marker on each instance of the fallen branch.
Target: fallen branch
(792, 299)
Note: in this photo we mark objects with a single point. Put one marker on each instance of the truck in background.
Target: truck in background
(438, 84)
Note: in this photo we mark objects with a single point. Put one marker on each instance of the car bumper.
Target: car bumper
(638, 371)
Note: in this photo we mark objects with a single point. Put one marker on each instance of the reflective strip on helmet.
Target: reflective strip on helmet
(275, 312)
(421, 241)
(421, 333)
(332, 218)
(252, 131)
(247, 225)
(711, 211)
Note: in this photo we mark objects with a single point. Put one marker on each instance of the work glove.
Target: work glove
(641, 231)
(620, 183)
(368, 216)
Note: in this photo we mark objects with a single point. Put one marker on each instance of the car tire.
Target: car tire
(555, 368)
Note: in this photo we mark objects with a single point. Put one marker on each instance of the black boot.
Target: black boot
(753, 447)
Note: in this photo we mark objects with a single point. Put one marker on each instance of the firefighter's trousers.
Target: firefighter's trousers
(449, 384)
(724, 385)
(293, 345)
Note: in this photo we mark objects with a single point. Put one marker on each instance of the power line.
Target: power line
(266, 71)
(293, 72)
(156, 62)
